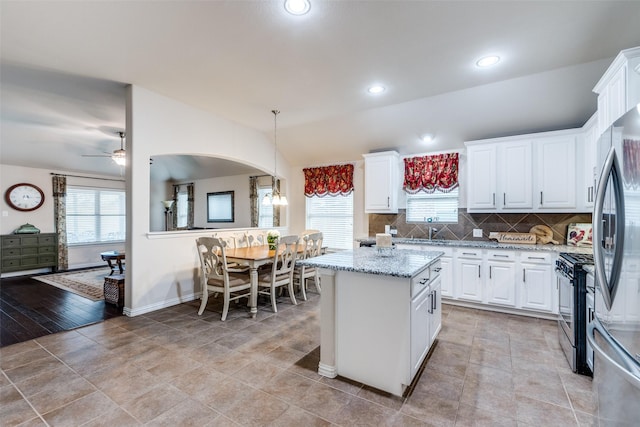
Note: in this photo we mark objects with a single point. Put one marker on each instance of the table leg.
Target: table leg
(110, 266)
(119, 261)
(254, 291)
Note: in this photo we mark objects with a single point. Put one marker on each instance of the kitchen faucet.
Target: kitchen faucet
(431, 231)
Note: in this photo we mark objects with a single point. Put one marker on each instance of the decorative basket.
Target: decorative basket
(114, 289)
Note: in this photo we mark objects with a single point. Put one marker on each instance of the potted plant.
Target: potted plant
(272, 239)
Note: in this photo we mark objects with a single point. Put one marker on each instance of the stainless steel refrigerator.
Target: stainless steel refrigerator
(614, 334)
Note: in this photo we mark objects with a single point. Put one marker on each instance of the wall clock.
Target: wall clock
(24, 197)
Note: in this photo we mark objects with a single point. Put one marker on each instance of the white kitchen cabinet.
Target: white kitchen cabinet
(538, 287)
(469, 275)
(515, 175)
(435, 314)
(381, 182)
(587, 159)
(556, 172)
(481, 176)
(619, 88)
(446, 282)
(420, 328)
(501, 281)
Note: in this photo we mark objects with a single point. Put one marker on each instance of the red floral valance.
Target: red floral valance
(431, 173)
(328, 180)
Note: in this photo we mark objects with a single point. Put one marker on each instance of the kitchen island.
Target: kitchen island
(379, 314)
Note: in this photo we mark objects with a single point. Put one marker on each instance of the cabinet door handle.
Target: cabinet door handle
(494, 199)
(478, 271)
(536, 257)
(489, 272)
(541, 197)
(430, 310)
(469, 253)
(524, 275)
(500, 256)
(435, 300)
(504, 199)
(388, 202)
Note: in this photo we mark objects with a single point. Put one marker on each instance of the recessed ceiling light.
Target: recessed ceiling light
(488, 61)
(376, 89)
(427, 138)
(297, 7)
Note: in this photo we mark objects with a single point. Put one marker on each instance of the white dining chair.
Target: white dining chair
(312, 248)
(217, 277)
(281, 273)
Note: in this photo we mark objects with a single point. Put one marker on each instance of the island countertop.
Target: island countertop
(395, 262)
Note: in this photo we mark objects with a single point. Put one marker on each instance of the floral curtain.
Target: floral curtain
(328, 180)
(253, 200)
(275, 189)
(60, 218)
(174, 208)
(431, 173)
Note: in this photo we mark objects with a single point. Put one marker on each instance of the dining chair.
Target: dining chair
(241, 240)
(312, 248)
(217, 277)
(281, 273)
(257, 239)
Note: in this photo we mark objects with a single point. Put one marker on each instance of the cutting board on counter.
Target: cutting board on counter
(519, 238)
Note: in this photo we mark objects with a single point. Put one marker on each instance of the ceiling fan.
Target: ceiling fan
(118, 156)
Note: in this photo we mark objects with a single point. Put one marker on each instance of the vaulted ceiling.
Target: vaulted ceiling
(65, 66)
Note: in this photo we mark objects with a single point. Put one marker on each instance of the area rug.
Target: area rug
(86, 283)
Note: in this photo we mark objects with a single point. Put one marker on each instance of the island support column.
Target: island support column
(327, 365)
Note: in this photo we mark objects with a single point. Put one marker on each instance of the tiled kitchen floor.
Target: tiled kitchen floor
(173, 368)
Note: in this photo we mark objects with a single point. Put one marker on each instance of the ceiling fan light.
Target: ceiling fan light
(297, 7)
(119, 157)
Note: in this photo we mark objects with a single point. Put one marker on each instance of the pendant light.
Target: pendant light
(120, 156)
(276, 199)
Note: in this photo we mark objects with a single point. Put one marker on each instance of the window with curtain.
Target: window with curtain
(329, 203)
(95, 215)
(182, 208)
(431, 184)
(334, 217)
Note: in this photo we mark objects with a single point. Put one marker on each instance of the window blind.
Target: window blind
(95, 215)
(433, 207)
(333, 216)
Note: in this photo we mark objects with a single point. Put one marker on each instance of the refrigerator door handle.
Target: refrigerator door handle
(630, 371)
(610, 170)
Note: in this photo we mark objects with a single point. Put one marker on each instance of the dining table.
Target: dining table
(253, 257)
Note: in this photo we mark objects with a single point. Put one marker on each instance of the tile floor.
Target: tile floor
(173, 368)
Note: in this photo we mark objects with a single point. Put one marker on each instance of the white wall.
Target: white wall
(161, 267)
(239, 184)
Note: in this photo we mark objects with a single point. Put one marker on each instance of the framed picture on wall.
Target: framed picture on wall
(220, 207)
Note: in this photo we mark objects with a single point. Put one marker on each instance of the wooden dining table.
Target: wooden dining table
(253, 257)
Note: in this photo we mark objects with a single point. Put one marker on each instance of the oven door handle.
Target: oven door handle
(629, 368)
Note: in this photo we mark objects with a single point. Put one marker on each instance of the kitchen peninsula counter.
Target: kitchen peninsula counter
(379, 314)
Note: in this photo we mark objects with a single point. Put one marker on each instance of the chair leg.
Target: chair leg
(292, 294)
(203, 303)
(225, 309)
(303, 284)
(316, 281)
(273, 299)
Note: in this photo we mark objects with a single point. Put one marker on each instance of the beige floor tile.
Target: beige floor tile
(380, 397)
(257, 409)
(469, 416)
(13, 361)
(437, 384)
(324, 401)
(288, 387)
(489, 397)
(154, 402)
(32, 368)
(65, 342)
(360, 412)
(430, 409)
(65, 393)
(542, 386)
(488, 357)
(188, 413)
(257, 373)
(295, 416)
(227, 393)
(539, 413)
(81, 411)
(16, 412)
(9, 394)
(116, 417)
(14, 349)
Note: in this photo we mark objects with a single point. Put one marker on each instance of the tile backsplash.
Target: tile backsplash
(463, 230)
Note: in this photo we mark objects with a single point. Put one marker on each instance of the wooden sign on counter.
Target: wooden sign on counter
(517, 238)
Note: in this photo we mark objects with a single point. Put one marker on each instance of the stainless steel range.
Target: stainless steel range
(572, 309)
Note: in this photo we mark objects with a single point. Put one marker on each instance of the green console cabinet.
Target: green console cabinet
(29, 251)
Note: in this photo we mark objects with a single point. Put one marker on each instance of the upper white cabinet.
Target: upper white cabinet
(619, 88)
(556, 172)
(381, 182)
(481, 177)
(587, 157)
(524, 173)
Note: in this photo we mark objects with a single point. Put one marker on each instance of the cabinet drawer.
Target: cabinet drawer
(11, 252)
(47, 250)
(470, 253)
(501, 256)
(30, 240)
(46, 240)
(30, 251)
(11, 241)
(10, 263)
(47, 259)
(536, 257)
(424, 279)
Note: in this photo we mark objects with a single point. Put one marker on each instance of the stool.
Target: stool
(114, 289)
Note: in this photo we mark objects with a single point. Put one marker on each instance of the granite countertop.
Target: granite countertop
(393, 262)
(483, 244)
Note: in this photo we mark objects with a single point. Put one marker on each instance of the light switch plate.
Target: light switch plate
(477, 232)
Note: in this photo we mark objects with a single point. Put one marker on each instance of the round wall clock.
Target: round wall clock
(24, 197)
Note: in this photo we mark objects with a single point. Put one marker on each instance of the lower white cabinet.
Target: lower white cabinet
(435, 315)
(468, 275)
(446, 276)
(538, 289)
(420, 328)
(501, 283)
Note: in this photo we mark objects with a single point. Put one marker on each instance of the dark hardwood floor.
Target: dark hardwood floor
(30, 309)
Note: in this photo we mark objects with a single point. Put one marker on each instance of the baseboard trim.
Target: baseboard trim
(160, 305)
